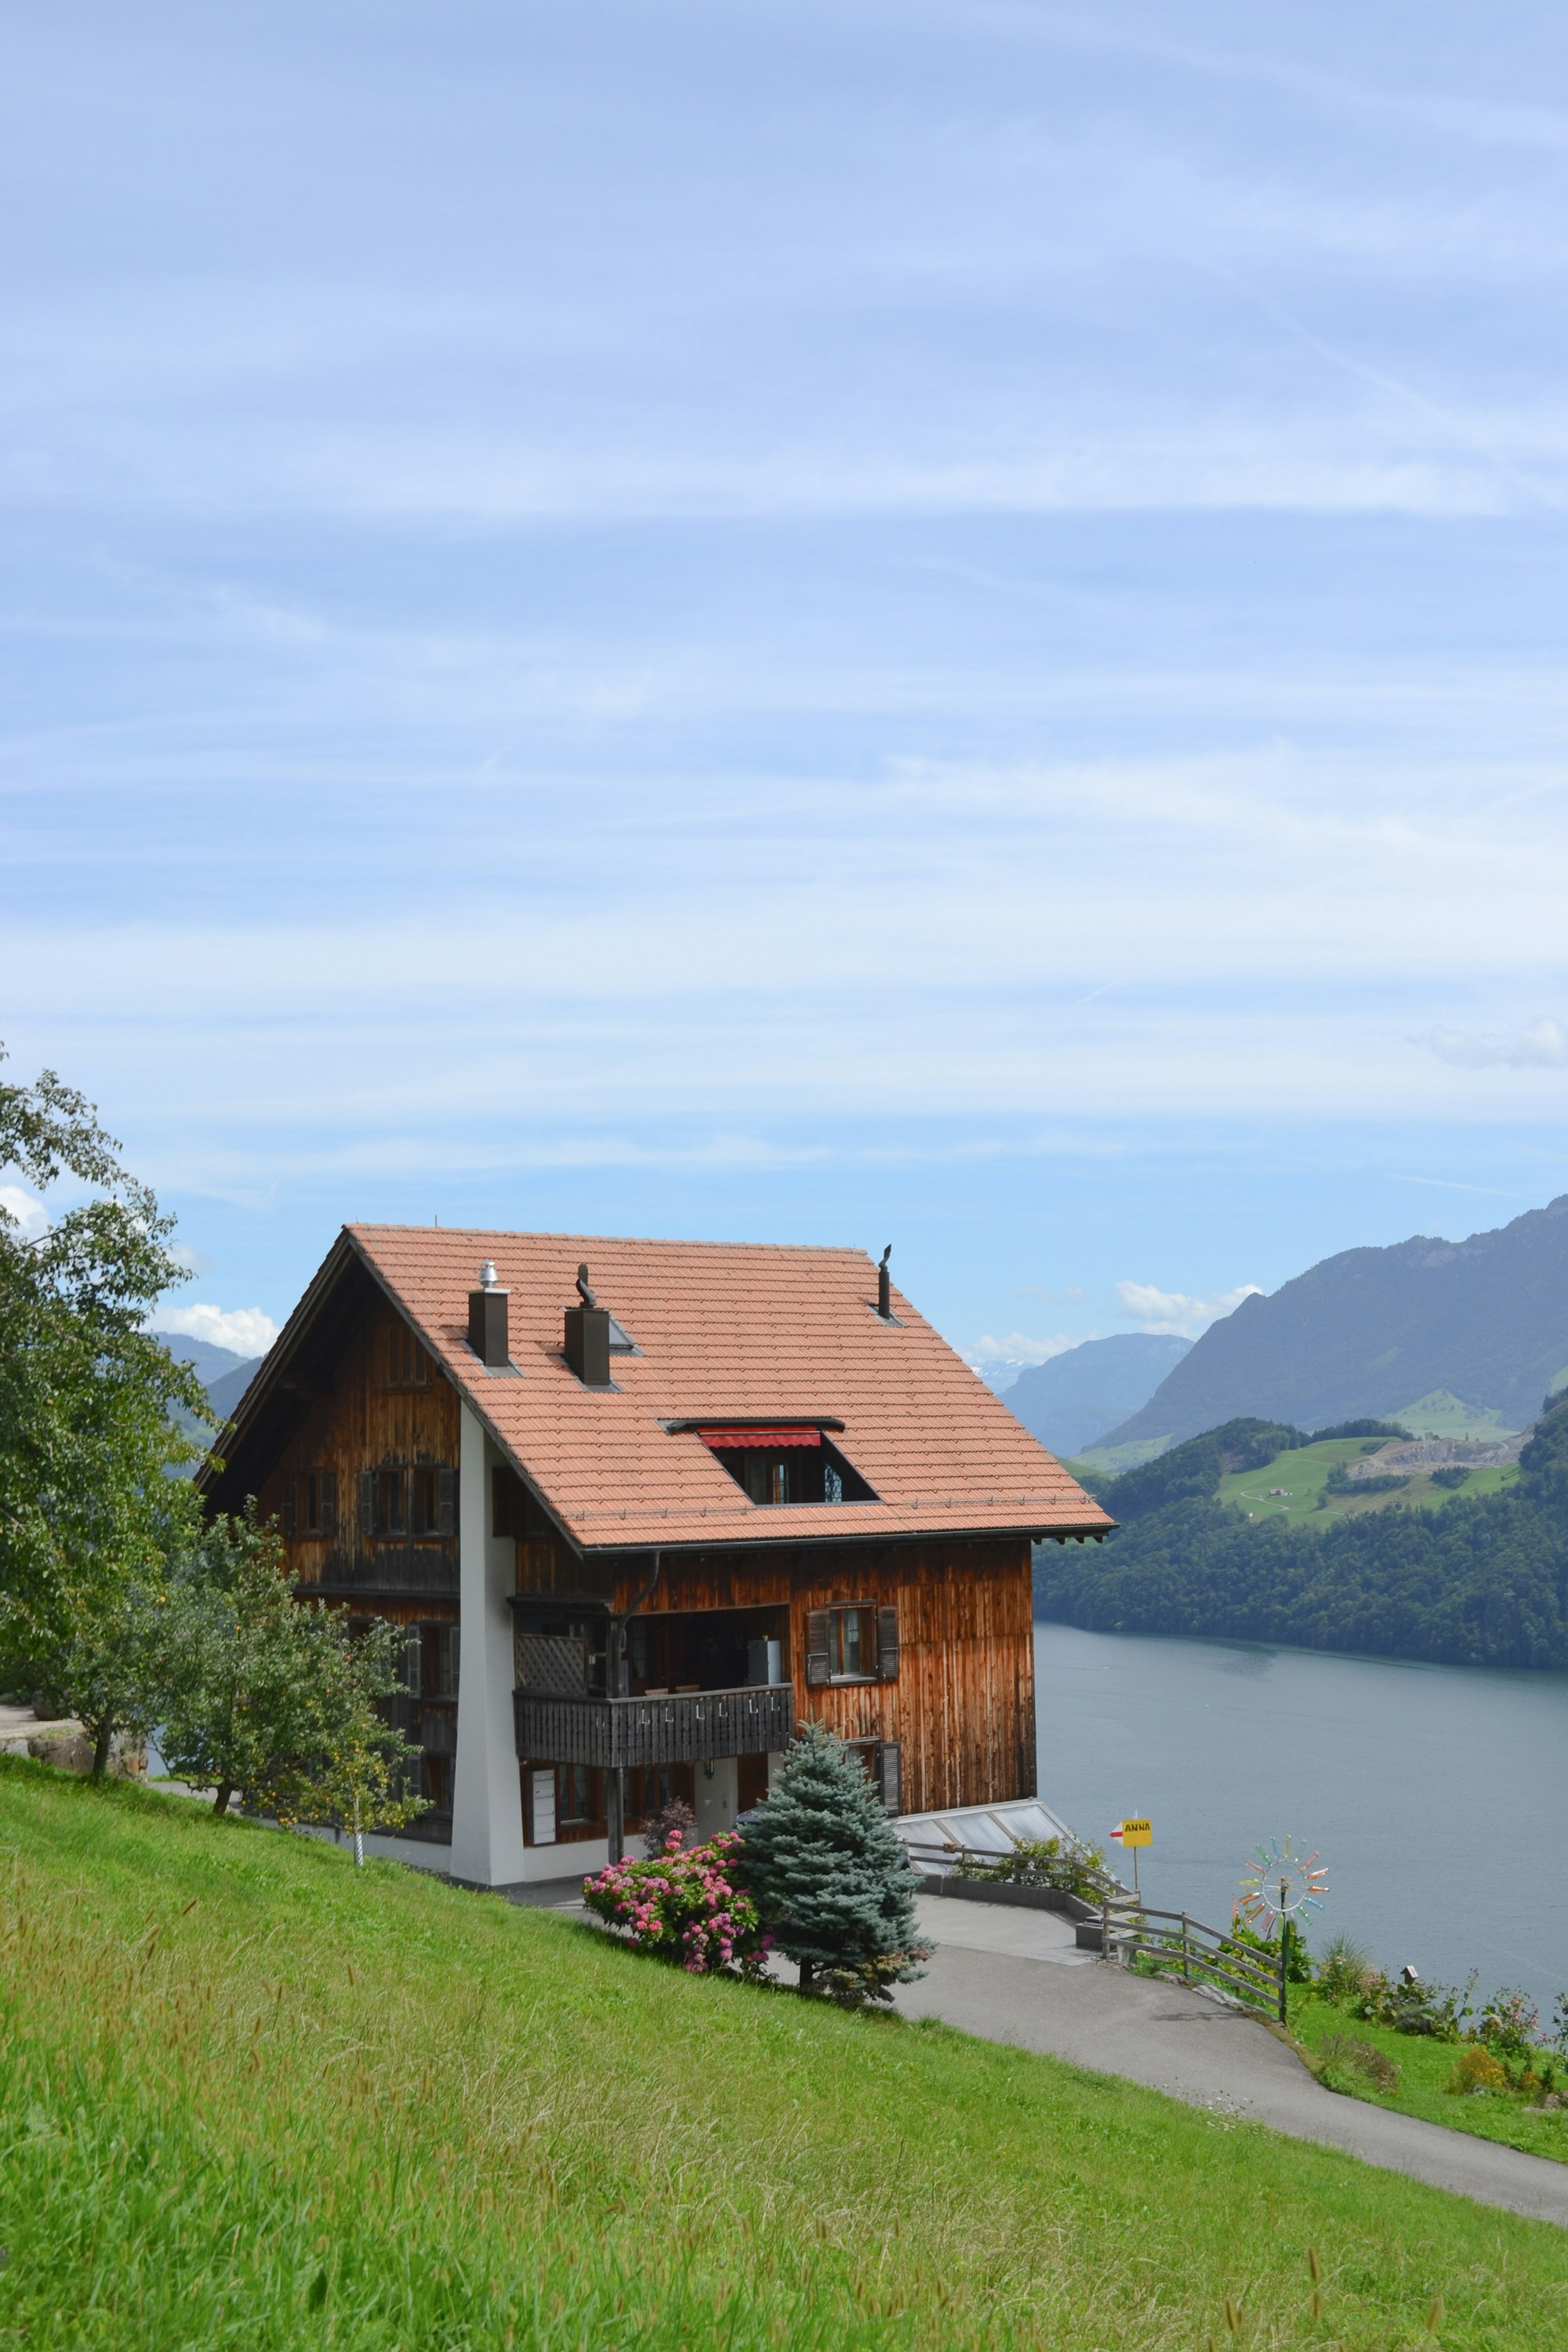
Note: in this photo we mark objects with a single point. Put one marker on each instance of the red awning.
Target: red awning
(780, 1435)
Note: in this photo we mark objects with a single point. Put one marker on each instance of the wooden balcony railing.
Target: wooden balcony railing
(421, 1570)
(683, 1727)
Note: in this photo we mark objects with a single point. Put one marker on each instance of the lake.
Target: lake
(1436, 1793)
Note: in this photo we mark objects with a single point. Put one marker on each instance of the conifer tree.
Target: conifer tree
(830, 1875)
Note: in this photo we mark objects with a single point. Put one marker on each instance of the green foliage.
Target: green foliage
(272, 1702)
(88, 1512)
(1359, 1429)
(687, 1904)
(1344, 1969)
(1339, 1482)
(1071, 1868)
(1482, 1582)
(1451, 1475)
(830, 1875)
(1350, 2054)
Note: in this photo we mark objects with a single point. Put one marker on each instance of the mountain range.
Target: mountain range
(224, 1373)
(1477, 1329)
(1070, 1401)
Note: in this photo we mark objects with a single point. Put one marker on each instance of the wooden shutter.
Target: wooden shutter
(290, 1507)
(890, 1775)
(888, 1645)
(366, 1505)
(816, 1663)
(447, 1488)
(328, 1495)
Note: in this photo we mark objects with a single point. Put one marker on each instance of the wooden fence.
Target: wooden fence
(1184, 1947)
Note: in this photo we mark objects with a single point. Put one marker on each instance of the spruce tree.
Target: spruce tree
(830, 1875)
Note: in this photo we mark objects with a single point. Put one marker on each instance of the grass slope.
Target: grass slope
(253, 2098)
(1425, 2067)
(1301, 1475)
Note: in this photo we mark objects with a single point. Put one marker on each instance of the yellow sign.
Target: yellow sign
(1137, 1834)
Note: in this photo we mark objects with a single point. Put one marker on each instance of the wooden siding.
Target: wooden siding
(361, 1419)
(962, 1708)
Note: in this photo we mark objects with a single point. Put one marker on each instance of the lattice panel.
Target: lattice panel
(552, 1662)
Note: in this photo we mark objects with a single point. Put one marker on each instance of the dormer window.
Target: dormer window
(781, 1462)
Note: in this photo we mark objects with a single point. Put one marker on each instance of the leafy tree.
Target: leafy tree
(89, 1511)
(273, 1702)
(829, 1875)
(361, 1775)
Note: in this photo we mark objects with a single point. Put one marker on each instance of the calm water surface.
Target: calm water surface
(1437, 1794)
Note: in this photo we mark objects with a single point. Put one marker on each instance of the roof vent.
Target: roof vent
(488, 1319)
(884, 1288)
(587, 1346)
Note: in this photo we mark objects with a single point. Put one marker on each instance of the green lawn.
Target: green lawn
(254, 2098)
(1425, 2067)
(1291, 1485)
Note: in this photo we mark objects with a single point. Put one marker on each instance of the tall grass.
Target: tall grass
(251, 2097)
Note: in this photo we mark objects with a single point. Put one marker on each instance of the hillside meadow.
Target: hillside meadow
(254, 2098)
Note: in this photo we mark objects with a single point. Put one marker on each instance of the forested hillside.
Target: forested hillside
(1477, 1583)
(1374, 1330)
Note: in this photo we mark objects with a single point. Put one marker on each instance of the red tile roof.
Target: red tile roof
(727, 1332)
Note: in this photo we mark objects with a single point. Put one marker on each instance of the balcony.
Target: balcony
(424, 1570)
(679, 1727)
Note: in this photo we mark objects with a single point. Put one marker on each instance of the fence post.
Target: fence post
(1105, 1926)
(1284, 1961)
(1186, 1969)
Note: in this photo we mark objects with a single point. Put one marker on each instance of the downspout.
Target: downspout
(616, 1677)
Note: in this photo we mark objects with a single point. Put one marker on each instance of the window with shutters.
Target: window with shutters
(854, 1644)
(312, 1503)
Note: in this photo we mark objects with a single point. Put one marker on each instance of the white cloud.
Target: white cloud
(21, 1207)
(1175, 1311)
(246, 1329)
(1540, 1046)
(1018, 1347)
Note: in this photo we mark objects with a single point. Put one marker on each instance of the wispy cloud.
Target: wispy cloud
(24, 1210)
(1019, 1348)
(1539, 1045)
(1176, 1311)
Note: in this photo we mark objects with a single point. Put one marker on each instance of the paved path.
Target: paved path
(1011, 1976)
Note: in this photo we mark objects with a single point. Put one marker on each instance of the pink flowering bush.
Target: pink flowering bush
(685, 1907)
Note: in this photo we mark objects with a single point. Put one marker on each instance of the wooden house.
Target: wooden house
(644, 1506)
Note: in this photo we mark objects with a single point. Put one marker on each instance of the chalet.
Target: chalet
(647, 1506)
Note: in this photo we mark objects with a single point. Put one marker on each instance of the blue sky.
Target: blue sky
(932, 623)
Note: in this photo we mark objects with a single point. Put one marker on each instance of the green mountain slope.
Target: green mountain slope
(1371, 1329)
(1471, 1574)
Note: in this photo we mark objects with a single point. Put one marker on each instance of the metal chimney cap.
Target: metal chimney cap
(487, 1275)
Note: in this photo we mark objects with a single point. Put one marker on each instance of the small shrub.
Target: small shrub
(1509, 2023)
(1476, 2069)
(1344, 1969)
(1348, 2055)
(687, 1907)
(1436, 2010)
(1044, 1862)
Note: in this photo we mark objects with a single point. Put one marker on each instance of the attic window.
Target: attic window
(409, 1365)
(621, 1340)
(785, 1463)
